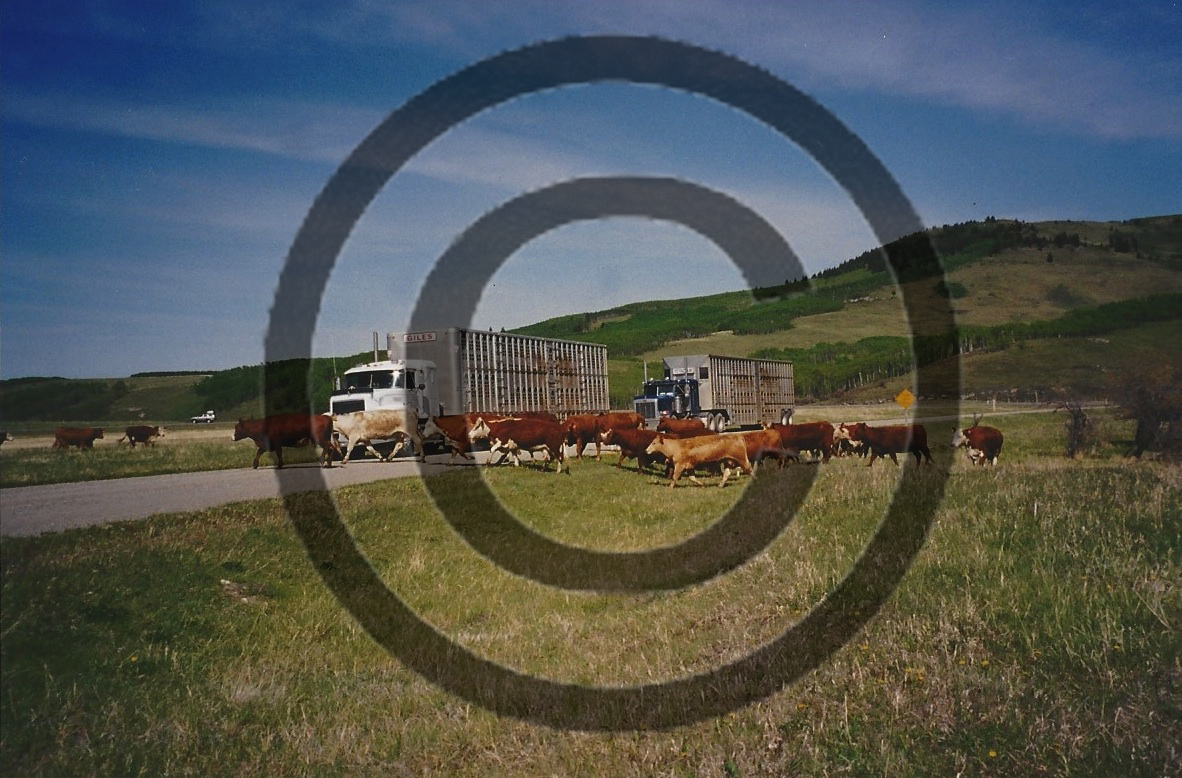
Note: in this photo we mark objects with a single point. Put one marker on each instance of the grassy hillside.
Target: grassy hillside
(167, 398)
(1016, 284)
(837, 326)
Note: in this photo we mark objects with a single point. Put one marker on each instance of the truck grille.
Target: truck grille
(646, 408)
(348, 406)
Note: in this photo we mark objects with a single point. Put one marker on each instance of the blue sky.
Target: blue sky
(156, 164)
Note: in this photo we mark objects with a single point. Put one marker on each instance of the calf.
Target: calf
(889, 440)
(82, 437)
(688, 453)
(633, 444)
(983, 443)
(844, 447)
(364, 427)
(141, 433)
(288, 430)
(5, 436)
(516, 435)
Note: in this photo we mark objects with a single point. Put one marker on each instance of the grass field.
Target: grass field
(1036, 633)
(30, 460)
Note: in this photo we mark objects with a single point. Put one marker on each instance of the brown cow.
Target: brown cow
(682, 428)
(536, 415)
(633, 444)
(580, 430)
(288, 430)
(512, 436)
(141, 433)
(453, 429)
(813, 436)
(889, 440)
(82, 437)
(688, 453)
(584, 428)
(983, 443)
(767, 442)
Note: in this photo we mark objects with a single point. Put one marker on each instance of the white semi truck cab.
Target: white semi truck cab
(389, 384)
(453, 370)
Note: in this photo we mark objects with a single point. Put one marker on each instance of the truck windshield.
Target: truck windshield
(369, 380)
(657, 388)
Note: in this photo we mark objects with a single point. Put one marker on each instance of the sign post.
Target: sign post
(905, 399)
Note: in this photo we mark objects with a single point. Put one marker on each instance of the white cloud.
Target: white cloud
(307, 131)
(1009, 59)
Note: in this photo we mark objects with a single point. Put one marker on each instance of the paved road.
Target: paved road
(31, 510)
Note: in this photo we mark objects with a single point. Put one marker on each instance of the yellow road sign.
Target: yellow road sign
(905, 399)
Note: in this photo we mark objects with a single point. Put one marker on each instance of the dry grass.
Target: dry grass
(1037, 633)
(1016, 285)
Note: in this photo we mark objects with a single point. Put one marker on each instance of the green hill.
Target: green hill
(1010, 283)
(1039, 306)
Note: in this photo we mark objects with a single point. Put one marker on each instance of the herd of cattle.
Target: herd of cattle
(677, 446)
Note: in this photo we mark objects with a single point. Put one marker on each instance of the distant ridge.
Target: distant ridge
(1041, 307)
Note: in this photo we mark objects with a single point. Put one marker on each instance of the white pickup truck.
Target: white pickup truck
(206, 418)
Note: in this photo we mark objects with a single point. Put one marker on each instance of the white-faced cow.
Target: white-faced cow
(633, 444)
(364, 427)
(141, 433)
(983, 443)
(512, 436)
(889, 440)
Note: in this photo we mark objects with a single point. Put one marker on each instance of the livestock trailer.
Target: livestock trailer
(458, 370)
(721, 391)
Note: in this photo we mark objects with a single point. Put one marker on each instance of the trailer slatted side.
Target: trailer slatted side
(505, 373)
